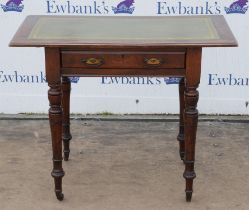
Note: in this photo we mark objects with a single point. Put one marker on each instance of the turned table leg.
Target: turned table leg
(180, 136)
(66, 135)
(55, 115)
(193, 68)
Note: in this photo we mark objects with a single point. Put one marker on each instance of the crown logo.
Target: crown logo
(13, 5)
(239, 7)
(172, 80)
(74, 79)
(124, 7)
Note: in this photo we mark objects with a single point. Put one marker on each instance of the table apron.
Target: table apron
(153, 72)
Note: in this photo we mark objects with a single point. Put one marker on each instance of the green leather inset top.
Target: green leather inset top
(124, 28)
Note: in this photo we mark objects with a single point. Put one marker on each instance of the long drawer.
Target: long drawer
(122, 60)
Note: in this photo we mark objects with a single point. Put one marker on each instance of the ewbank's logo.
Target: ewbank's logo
(13, 5)
(124, 7)
(239, 6)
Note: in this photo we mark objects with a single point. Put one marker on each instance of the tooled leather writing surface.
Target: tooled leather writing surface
(106, 29)
(177, 31)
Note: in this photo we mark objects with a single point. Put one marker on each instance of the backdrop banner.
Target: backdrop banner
(224, 87)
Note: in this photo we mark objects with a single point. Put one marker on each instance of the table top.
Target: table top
(66, 31)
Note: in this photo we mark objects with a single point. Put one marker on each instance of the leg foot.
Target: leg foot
(58, 174)
(59, 195)
(66, 155)
(188, 196)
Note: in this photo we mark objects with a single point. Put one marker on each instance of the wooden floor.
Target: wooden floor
(133, 166)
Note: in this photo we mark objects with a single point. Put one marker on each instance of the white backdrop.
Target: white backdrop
(224, 85)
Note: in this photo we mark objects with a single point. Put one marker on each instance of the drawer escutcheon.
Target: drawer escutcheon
(93, 61)
(153, 61)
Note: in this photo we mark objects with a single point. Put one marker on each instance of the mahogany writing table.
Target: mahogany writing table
(123, 46)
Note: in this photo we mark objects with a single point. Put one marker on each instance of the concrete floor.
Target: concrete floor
(124, 166)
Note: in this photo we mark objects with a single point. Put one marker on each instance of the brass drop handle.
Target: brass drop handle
(92, 61)
(153, 61)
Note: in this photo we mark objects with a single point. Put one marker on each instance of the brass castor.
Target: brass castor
(60, 196)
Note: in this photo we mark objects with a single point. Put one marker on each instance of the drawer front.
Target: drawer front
(121, 60)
